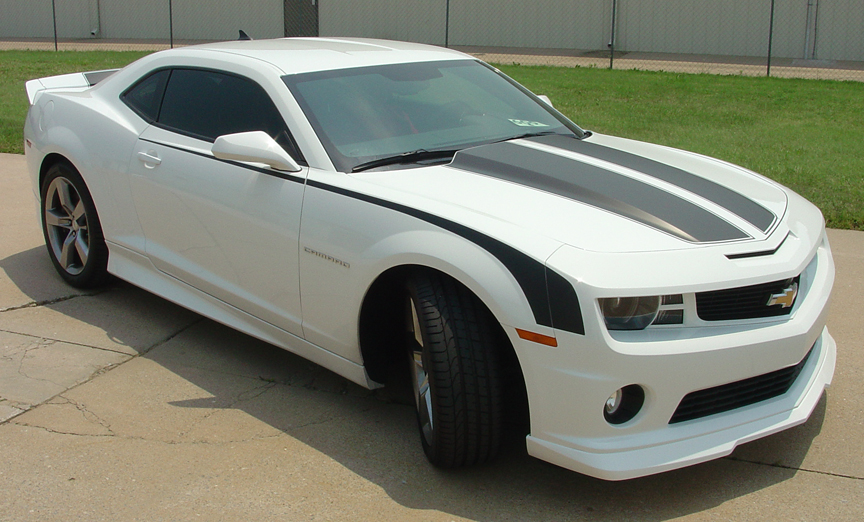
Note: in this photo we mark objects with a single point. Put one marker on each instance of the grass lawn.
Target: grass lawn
(806, 134)
(16, 67)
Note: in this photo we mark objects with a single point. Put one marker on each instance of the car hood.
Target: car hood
(601, 194)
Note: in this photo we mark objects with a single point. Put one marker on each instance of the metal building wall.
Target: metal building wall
(410, 20)
(719, 27)
(840, 30)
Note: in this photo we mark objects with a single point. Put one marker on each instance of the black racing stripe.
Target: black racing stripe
(531, 274)
(597, 187)
(274, 173)
(738, 204)
(761, 253)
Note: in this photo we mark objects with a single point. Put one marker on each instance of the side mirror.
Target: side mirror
(255, 147)
(546, 100)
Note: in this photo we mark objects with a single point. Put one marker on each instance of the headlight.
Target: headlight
(629, 313)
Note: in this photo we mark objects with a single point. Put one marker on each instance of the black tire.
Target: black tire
(454, 372)
(71, 228)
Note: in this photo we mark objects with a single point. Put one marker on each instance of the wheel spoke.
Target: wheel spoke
(64, 193)
(415, 327)
(82, 248)
(67, 252)
(428, 403)
(57, 218)
(78, 212)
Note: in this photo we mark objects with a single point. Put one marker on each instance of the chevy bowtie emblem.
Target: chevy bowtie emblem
(786, 298)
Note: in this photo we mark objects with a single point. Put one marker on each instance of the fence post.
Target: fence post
(54, 16)
(447, 25)
(171, 23)
(612, 38)
(770, 38)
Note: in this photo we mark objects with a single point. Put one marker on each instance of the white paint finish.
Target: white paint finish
(227, 230)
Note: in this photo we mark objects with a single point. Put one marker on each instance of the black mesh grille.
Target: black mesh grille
(746, 302)
(727, 397)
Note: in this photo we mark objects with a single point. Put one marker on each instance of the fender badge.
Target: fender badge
(786, 298)
(326, 257)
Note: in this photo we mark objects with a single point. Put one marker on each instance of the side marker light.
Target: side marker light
(537, 338)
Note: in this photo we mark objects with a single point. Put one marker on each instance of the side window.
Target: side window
(207, 104)
(145, 96)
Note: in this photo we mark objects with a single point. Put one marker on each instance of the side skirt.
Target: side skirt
(138, 270)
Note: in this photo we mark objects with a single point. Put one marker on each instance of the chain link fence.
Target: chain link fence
(788, 38)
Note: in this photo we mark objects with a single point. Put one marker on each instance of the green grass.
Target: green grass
(806, 134)
(16, 67)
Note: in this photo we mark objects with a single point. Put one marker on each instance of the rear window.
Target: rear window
(146, 95)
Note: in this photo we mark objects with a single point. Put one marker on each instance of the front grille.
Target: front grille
(746, 302)
(702, 403)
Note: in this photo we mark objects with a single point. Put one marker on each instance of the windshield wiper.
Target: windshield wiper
(534, 135)
(406, 157)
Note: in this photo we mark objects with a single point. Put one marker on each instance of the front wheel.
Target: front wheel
(454, 371)
(71, 227)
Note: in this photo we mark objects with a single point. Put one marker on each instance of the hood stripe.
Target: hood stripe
(599, 188)
(743, 207)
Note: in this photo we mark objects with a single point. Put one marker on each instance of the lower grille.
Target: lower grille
(727, 397)
(746, 302)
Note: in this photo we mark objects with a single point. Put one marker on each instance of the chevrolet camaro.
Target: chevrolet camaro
(372, 205)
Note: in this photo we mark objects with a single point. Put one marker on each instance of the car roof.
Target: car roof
(298, 55)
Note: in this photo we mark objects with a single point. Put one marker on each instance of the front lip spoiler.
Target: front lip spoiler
(632, 463)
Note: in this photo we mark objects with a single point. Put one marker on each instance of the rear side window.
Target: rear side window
(145, 96)
(206, 104)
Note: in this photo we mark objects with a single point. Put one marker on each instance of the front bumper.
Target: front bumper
(568, 386)
(705, 439)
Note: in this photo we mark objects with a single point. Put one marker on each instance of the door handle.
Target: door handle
(150, 159)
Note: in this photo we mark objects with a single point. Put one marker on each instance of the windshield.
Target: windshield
(369, 113)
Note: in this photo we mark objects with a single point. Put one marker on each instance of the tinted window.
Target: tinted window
(145, 96)
(208, 104)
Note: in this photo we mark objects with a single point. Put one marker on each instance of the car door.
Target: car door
(227, 228)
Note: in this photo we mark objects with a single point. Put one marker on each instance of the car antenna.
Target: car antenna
(244, 36)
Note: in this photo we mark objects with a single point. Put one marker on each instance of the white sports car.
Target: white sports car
(360, 202)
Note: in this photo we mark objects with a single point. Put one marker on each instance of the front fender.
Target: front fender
(348, 242)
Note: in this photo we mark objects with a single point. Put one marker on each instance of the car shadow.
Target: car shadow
(374, 434)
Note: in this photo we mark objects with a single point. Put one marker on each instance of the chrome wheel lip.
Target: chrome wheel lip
(66, 226)
(419, 376)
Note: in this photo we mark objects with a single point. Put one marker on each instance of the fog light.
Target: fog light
(614, 402)
(624, 404)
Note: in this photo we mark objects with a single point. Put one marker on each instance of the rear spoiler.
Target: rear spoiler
(75, 82)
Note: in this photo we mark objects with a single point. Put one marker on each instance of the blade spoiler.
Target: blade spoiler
(74, 82)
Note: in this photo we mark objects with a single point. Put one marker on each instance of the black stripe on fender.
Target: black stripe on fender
(599, 188)
(552, 298)
(744, 207)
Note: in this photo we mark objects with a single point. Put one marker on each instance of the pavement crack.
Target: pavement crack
(89, 415)
(113, 435)
(170, 337)
(793, 468)
(35, 304)
(25, 334)
(61, 432)
(42, 343)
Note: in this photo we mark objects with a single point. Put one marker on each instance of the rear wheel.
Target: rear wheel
(454, 371)
(71, 227)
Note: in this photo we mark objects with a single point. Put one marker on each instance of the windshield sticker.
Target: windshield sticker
(526, 123)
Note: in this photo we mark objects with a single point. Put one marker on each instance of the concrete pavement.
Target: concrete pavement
(117, 405)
